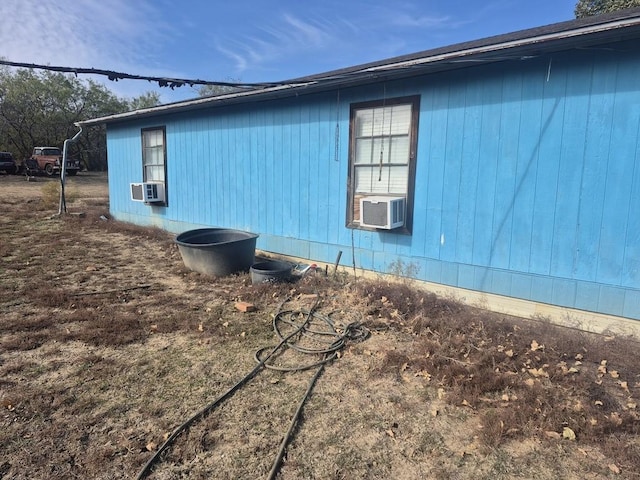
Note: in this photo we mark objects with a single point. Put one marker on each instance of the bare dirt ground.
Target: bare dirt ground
(108, 344)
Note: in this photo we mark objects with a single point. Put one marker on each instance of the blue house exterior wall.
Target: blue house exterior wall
(527, 178)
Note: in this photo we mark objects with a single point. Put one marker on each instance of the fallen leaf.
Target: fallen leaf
(553, 435)
(625, 386)
(243, 334)
(529, 382)
(441, 393)
(200, 327)
(568, 433)
(598, 403)
(573, 370)
(615, 418)
(579, 356)
(151, 446)
(614, 374)
(534, 346)
(632, 405)
(509, 353)
(505, 398)
(390, 433)
(225, 324)
(538, 372)
(614, 468)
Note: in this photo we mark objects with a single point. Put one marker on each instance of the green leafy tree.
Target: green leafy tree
(146, 100)
(588, 8)
(41, 108)
(213, 90)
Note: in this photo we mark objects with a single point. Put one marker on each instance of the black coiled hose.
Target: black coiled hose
(310, 333)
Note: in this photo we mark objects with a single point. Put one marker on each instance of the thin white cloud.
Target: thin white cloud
(311, 34)
(406, 20)
(288, 36)
(240, 60)
(285, 38)
(116, 35)
(356, 33)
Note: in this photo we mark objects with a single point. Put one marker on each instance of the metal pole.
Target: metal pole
(63, 171)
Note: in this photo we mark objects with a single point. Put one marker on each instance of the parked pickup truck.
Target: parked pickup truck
(49, 161)
(7, 163)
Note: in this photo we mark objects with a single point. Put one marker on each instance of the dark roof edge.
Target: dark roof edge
(530, 33)
(345, 76)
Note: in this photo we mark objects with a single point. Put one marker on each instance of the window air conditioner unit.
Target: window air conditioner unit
(147, 192)
(382, 212)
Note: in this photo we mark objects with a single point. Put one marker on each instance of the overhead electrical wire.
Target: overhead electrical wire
(115, 76)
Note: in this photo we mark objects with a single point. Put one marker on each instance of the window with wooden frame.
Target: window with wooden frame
(154, 156)
(382, 157)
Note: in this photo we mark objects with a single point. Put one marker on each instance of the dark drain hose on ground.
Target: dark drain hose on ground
(275, 468)
(353, 332)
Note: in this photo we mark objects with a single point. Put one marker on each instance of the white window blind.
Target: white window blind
(153, 155)
(381, 157)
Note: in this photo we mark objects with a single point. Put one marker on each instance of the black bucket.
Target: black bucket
(270, 271)
(217, 251)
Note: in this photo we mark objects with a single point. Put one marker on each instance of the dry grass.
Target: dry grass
(107, 343)
(50, 192)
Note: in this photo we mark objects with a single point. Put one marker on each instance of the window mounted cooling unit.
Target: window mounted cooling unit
(147, 192)
(382, 212)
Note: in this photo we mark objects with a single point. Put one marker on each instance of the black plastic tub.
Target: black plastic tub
(270, 271)
(217, 251)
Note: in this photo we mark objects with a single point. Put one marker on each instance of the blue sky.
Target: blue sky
(248, 40)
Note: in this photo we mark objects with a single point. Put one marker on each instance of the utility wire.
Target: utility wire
(162, 81)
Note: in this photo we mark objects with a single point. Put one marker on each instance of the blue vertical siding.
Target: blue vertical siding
(505, 183)
(526, 167)
(487, 172)
(430, 169)
(527, 178)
